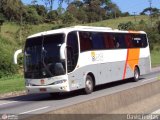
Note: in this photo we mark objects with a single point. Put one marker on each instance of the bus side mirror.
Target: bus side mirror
(16, 55)
(63, 51)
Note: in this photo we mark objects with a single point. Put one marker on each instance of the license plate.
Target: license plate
(43, 89)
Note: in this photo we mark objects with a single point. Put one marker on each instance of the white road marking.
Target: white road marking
(8, 103)
(12, 102)
(156, 112)
(34, 110)
(150, 79)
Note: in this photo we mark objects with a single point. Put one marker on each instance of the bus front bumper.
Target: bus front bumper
(47, 89)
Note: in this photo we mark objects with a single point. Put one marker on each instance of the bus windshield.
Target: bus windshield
(42, 56)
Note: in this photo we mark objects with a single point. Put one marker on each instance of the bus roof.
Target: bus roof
(84, 28)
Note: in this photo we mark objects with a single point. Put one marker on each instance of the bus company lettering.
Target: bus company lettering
(96, 56)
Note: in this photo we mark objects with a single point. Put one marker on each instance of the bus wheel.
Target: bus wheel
(136, 74)
(89, 85)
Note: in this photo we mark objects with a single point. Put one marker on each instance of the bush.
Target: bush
(126, 26)
(52, 15)
(158, 26)
(68, 18)
(59, 26)
(6, 61)
(32, 16)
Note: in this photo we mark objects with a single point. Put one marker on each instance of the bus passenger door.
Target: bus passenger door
(72, 51)
(72, 59)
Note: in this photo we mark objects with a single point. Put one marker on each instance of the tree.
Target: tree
(108, 2)
(94, 10)
(52, 15)
(41, 10)
(33, 2)
(113, 10)
(51, 2)
(125, 14)
(68, 18)
(150, 10)
(31, 16)
(77, 10)
(12, 9)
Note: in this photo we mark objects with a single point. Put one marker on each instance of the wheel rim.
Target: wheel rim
(136, 74)
(89, 85)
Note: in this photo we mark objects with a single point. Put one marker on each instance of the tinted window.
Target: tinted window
(97, 40)
(136, 40)
(139, 41)
(109, 40)
(72, 51)
(85, 41)
(42, 56)
(128, 40)
(120, 41)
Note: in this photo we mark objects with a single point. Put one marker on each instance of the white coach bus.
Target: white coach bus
(82, 57)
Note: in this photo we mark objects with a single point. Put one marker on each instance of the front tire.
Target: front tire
(136, 74)
(89, 85)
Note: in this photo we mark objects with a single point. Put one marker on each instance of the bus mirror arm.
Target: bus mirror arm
(16, 55)
(63, 51)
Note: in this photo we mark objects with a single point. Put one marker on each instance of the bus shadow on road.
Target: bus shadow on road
(61, 96)
(114, 84)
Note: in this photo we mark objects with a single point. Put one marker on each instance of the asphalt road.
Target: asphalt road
(41, 103)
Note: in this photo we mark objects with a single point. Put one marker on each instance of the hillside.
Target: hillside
(11, 31)
(11, 38)
(113, 23)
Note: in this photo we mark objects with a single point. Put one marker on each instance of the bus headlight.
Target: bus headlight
(59, 82)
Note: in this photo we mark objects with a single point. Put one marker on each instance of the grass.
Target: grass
(113, 23)
(155, 58)
(11, 84)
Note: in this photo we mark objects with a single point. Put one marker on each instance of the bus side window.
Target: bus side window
(97, 40)
(106, 41)
(144, 40)
(109, 41)
(128, 40)
(137, 41)
(120, 41)
(72, 51)
(85, 41)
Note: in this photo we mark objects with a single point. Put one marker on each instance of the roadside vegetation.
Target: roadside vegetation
(155, 58)
(11, 84)
(33, 18)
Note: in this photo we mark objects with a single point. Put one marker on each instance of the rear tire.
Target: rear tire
(136, 74)
(89, 85)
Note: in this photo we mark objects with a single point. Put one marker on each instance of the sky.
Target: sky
(130, 6)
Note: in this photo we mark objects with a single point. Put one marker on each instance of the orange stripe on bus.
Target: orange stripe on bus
(132, 59)
(125, 67)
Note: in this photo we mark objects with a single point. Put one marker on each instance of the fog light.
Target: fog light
(63, 88)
